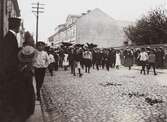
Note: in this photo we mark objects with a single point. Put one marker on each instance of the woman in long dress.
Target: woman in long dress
(118, 59)
(65, 61)
(128, 60)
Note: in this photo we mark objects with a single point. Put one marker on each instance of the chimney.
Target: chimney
(88, 11)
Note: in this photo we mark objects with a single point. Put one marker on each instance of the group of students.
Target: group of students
(74, 58)
(79, 58)
(84, 58)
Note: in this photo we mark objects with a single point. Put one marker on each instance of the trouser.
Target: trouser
(39, 77)
(51, 68)
(93, 63)
(56, 66)
(103, 64)
(149, 66)
(88, 64)
(72, 67)
(65, 68)
(107, 65)
(143, 64)
(97, 64)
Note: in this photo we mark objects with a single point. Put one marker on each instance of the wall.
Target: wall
(103, 31)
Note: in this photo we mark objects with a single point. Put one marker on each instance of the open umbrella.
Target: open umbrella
(79, 45)
(66, 44)
(91, 45)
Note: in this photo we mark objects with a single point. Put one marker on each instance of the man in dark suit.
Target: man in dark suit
(11, 77)
(10, 46)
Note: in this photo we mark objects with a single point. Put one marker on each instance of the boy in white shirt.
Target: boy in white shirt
(143, 57)
(41, 62)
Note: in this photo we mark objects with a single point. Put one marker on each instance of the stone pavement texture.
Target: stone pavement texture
(37, 116)
(101, 96)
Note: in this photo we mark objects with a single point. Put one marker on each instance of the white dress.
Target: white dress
(65, 61)
(118, 59)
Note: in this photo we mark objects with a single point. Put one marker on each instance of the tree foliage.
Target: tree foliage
(150, 29)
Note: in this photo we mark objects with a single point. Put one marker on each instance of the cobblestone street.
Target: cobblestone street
(101, 96)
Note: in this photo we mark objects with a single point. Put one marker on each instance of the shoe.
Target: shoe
(80, 75)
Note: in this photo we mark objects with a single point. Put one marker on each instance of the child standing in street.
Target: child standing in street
(143, 57)
(151, 62)
(51, 63)
(41, 62)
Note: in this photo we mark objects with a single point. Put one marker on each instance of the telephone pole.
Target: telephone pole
(37, 9)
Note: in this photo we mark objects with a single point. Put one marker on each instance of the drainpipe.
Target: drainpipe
(1, 29)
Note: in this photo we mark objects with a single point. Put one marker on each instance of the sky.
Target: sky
(56, 12)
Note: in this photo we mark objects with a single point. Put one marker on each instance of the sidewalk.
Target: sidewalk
(37, 116)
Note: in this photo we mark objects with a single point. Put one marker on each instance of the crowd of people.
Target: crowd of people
(20, 65)
(82, 58)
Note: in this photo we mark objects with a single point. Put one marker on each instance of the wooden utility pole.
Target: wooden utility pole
(37, 9)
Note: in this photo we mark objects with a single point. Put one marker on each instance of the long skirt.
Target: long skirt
(128, 62)
(20, 97)
(87, 62)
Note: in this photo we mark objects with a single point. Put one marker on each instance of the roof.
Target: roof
(77, 16)
(73, 16)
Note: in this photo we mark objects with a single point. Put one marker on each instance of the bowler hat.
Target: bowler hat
(14, 22)
(26, 54)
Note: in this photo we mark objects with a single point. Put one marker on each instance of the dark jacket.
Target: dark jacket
(151, 58)
(16, 86)
(9, 53)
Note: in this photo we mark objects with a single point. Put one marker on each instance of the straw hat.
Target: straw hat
(26, 54)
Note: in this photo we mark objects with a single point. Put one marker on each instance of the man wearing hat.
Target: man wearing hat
(11, 76)
(10, 46)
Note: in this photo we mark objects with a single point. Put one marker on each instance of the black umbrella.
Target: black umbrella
(79, 45)
(91, 45)
(66, 44)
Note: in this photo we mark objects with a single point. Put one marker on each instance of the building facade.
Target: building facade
(9, 8)
(91, 27)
